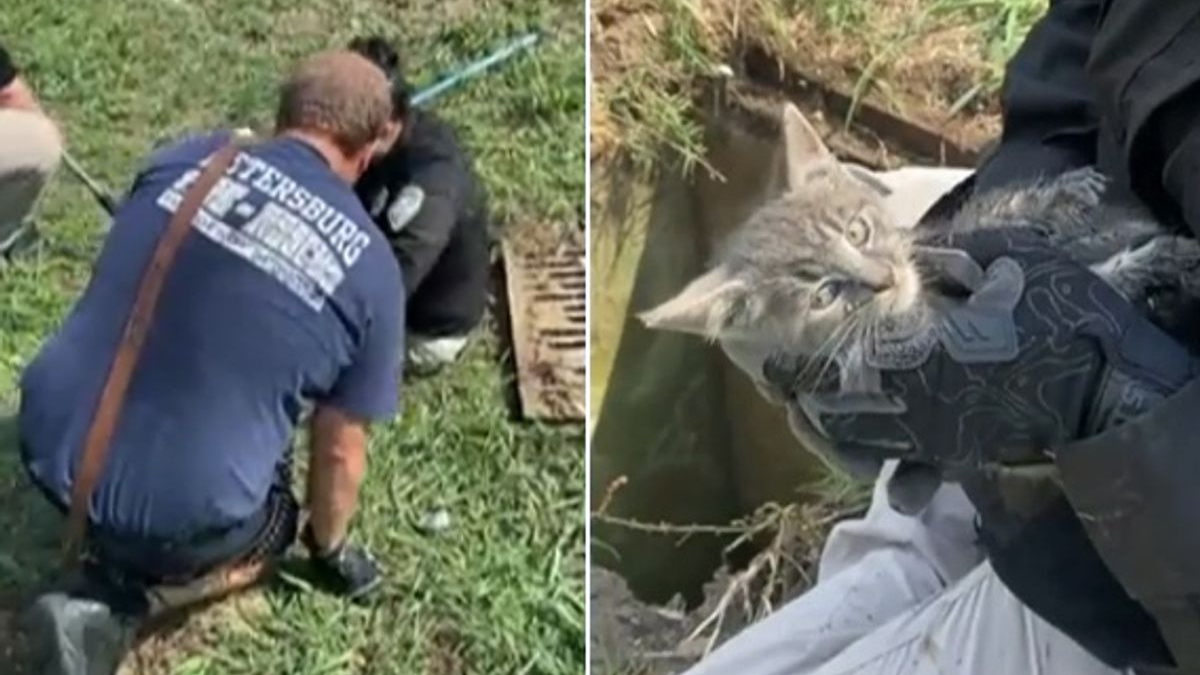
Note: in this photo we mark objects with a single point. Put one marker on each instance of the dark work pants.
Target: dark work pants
(266, 534)
(132, 563)
(450, 300)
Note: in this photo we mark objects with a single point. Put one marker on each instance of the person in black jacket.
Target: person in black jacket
(30, 149)
(1110, 560)
(424, 194)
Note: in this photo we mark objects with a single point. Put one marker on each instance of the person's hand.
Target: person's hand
(1041, 352)
(345, 569)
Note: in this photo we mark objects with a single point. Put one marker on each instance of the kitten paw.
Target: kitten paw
(1164, 262)
(1084, 186)
(1066, 206)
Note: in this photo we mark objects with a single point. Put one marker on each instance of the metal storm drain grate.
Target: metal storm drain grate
(548, 304)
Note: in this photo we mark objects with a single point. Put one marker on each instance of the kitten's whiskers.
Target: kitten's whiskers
(826, 355)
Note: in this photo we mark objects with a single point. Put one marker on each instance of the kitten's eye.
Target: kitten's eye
(858, 232)
(825, 294)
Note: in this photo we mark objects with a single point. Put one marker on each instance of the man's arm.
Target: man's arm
(1050, 120)
(339, 461)
(366, 390)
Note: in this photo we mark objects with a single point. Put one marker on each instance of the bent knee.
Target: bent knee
(29, 143)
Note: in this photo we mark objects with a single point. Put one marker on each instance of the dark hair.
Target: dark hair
(379, 51)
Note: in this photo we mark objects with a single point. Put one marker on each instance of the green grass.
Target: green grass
(998, 26)
(650, 104)
(502, 590)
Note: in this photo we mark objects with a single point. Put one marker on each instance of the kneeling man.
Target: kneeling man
(281, 293)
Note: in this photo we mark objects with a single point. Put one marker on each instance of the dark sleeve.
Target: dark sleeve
(1146, 72)
(368, 388)
(1050, 119)
(420, 236)
(8, 71)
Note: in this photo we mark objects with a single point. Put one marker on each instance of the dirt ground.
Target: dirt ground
(909, 61)
(628, 636)
(631, 637)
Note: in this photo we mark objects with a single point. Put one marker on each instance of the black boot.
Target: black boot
(77, 634)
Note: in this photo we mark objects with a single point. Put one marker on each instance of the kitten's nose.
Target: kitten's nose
(881, 279)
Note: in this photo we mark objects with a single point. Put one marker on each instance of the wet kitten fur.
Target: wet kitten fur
(824, 254)
(822, 258)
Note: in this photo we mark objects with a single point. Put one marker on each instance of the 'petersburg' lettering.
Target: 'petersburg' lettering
(342, 235)
(283, 189)
(264, 181)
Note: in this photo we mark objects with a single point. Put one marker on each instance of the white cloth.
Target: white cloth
(904, 596)
(975, 626)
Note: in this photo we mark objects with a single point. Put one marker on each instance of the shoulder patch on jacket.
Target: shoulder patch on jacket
(405, 207)
(380, 202)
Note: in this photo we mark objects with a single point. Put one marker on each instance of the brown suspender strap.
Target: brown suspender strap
(112, 397)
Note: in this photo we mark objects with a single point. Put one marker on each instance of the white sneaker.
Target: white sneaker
(428, 355)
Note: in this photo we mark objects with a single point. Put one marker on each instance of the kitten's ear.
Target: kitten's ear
(701, 308)
(802, 144)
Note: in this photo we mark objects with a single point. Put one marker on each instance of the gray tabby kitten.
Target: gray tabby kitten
(813, 270)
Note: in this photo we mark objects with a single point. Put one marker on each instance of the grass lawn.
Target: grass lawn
(942, 60)
(501, 591)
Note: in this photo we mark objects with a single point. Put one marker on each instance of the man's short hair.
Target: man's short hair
(339, 94)
(377, 50)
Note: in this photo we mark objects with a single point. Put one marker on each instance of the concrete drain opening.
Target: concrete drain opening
(547, 303)
(682, 443)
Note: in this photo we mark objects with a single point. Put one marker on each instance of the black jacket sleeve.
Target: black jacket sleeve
(420, 242)
(1145, 70)
(438, 183)
(8, 71)
(1050, 120)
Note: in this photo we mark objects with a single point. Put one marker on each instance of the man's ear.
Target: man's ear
(391, 134)
(701, 308)
(802, 145)
(363, 159)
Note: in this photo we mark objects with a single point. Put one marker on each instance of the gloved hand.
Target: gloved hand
(1040, 352)
(346, 570)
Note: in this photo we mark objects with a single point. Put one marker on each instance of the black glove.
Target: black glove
(346, 570)
(1041, 352)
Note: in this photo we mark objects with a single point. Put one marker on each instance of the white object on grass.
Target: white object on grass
(435, 522)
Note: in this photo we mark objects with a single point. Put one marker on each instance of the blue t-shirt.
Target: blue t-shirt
(283, 291)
